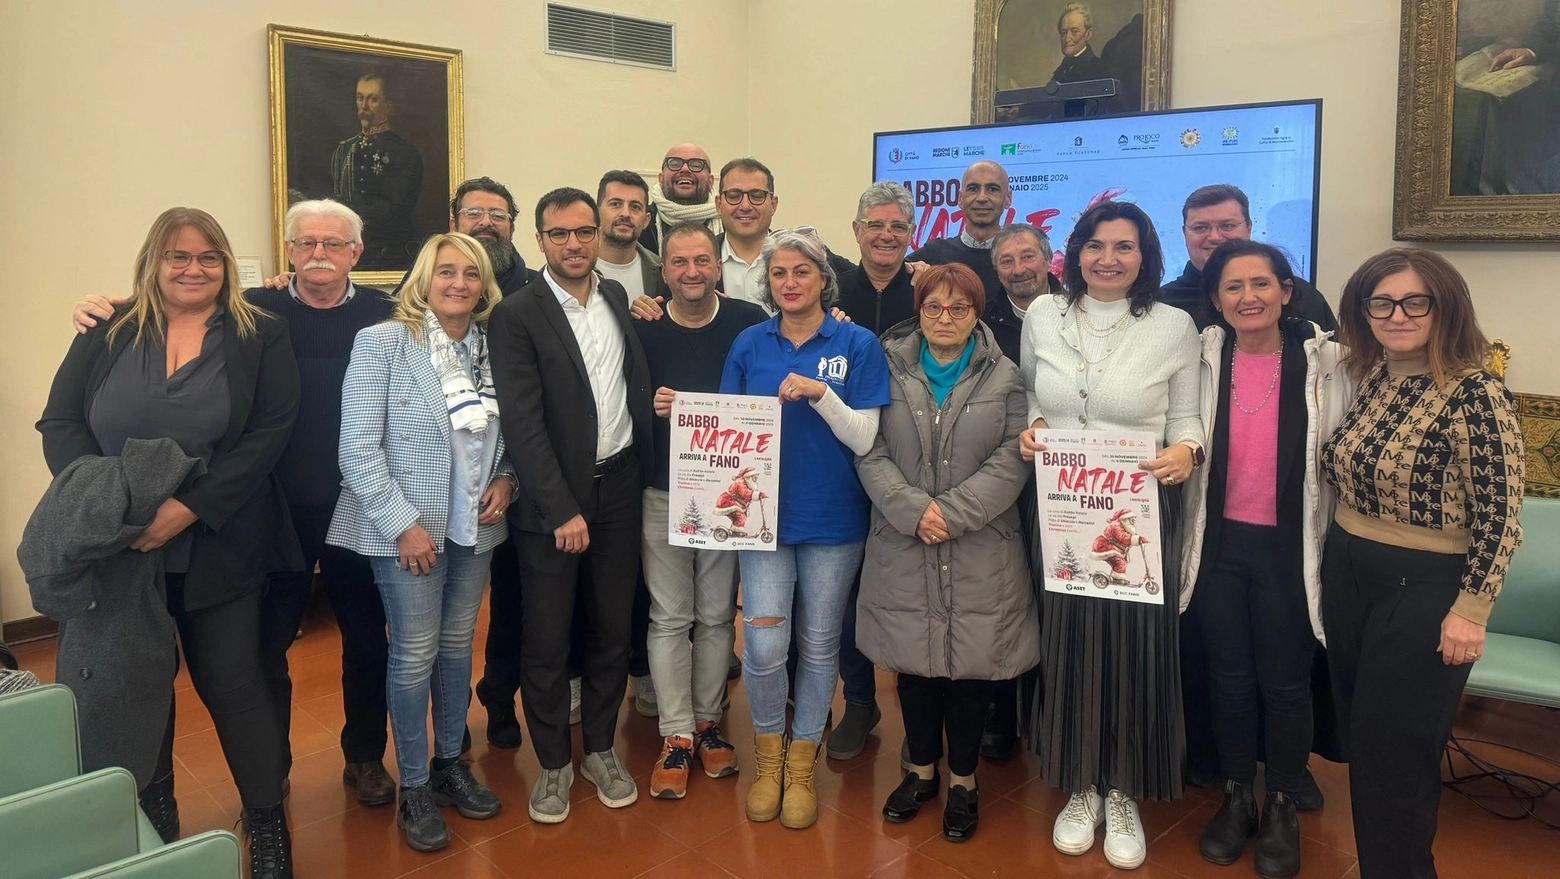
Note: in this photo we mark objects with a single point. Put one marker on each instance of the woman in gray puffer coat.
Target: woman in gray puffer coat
(945, 590)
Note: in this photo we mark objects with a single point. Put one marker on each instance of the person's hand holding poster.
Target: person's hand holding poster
(1099, 515)
(725, 471)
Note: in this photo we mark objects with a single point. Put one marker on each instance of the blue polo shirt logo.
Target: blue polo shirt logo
(833, 369)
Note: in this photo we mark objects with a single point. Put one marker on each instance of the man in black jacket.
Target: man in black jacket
(574, 393)
(1211, 216)
(876, 292)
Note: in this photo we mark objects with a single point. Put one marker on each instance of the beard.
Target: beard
(619, 235)
(500, 254)
(701, 194)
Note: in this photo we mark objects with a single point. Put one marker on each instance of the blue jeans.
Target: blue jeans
(432, 620)
(811, 583)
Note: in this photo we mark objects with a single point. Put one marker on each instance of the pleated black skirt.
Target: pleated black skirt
(1104, 706)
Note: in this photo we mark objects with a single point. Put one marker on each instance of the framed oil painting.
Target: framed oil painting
(374, 124)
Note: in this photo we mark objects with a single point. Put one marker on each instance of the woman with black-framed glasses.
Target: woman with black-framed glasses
(1429, 472)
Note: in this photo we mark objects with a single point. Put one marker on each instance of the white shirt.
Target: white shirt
(630, 275)
(600, 339)
(740, 279)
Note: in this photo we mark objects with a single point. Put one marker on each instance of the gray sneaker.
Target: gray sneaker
(574, 701)
(614, 787)
(850, 737)
(550, 795)
(644, 696)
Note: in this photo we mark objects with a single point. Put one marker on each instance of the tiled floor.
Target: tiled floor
(706, 834)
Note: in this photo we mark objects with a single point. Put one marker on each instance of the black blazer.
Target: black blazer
(546, 406)
(244, 531)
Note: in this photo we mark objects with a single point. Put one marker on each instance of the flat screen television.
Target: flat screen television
(1058, 169)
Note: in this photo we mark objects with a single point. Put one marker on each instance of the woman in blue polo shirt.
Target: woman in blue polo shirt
(832, 378)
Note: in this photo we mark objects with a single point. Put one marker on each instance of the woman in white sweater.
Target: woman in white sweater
(1104, 709)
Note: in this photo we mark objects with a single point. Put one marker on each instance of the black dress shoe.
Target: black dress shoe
(270, 845)
(961, 814)
(999, 740)
(906, 800)
(1225, 837)
(503, 727)
(1310, 798)
(734, 670)
(1278, 842)
(161, 808)
(1198, 777)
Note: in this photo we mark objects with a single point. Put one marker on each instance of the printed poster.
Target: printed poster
(725, 474)
(1099, 515)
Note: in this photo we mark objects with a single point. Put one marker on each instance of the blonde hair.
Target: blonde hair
(146, 312)
(413, 301)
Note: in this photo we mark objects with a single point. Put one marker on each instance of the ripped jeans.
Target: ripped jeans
(809, 583)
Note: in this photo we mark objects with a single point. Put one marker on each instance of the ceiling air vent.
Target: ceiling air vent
(607, 36)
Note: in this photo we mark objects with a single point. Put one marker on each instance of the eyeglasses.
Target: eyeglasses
(178, 259)
(307, 245)
(1382, 307)
(876, 227)
(800, 230)
(476, 214)
(756, 196)
(583, 234)
(1229, 227)
(935, 311)
(697, 166)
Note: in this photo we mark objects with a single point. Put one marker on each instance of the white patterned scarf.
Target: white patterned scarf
(471, 401)
(669, 213)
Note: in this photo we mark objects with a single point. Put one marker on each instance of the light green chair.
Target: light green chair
(39, 744)
(91, 825)
(1521, 660)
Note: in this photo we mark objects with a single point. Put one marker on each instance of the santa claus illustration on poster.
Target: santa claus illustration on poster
(725, 471)
(1099, 515)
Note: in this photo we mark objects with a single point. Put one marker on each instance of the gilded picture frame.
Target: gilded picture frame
(1026, 21)
(1478, 149)
(378, 125)
(1539, 415)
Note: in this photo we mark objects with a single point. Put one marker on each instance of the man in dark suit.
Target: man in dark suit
(1075, 30)
(379, 174)
(574, 393)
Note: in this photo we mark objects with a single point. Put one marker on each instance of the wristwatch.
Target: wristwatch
(1198, 457)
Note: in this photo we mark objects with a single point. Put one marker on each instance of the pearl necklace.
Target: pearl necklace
(1277, 368)
(1102, 332)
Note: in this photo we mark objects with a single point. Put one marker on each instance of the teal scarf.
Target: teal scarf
(943, 378)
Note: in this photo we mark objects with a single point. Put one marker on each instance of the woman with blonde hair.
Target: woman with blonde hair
(425, 489)
(187, 358)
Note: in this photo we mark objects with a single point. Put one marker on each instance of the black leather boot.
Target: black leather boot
(270, 845)
(161, 808)
(1225, 837)
(1310, 797)
(1278, 843)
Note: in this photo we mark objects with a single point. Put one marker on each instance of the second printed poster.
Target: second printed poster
(1099, 515)
(725, 473)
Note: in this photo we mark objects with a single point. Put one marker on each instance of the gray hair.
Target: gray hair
(1013, 230)
(805, 241)
(323, 207)
(1080, 8)
(886, 192)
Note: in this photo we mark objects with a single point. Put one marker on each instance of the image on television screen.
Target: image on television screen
(1059, 169)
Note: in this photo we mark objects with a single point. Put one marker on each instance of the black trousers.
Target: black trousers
(1383, 607)
(506, 615)
(360, 615)
(602, 581)
(1251, 604)
(222, 651)
(857, 676)
(934, 707)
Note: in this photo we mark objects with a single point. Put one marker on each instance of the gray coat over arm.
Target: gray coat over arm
(963, 609)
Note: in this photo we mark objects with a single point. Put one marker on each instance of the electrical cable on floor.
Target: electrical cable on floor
(1524, 790)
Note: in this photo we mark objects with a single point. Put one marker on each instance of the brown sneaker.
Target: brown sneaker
(669, 779)
(372, 782)
(716, 755)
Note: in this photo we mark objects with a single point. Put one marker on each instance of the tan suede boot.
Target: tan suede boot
(763, 800)
(801, 799)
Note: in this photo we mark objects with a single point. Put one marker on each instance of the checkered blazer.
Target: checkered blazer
(395, 447)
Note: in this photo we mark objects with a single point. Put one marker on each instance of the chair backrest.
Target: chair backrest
(1529, 602)
(69, 826)
(39, 744)
(214, 854)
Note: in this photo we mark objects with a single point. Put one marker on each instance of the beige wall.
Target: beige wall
(111, 116)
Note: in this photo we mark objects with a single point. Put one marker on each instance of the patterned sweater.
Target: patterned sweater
(1436, 468)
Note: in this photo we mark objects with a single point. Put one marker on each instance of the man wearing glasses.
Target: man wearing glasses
(1211, 216)
(746, 202)
(681, 194)
(574, 397)
(876, 292)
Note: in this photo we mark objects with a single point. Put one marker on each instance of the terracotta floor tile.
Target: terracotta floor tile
(202, 756)
(1178, 851)
(199, 810)
(465, 864)
(837, 845)
(594, 841)
(1012, 841)
(691, 865)
(861, 792)
(1151, 870)
(360, 842)
(712, 807)
(917, 866)
(318, 792)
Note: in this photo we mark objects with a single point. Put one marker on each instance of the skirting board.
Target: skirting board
(31, 629)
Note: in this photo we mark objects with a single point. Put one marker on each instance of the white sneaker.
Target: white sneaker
(574, 701)
(1074, 830)
(645, 701)
(1125, 844)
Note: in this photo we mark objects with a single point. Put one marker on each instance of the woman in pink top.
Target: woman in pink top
(1257, 516)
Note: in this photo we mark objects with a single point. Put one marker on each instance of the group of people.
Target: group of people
(490, 423)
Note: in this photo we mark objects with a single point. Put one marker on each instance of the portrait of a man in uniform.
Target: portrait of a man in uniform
(379, 173)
